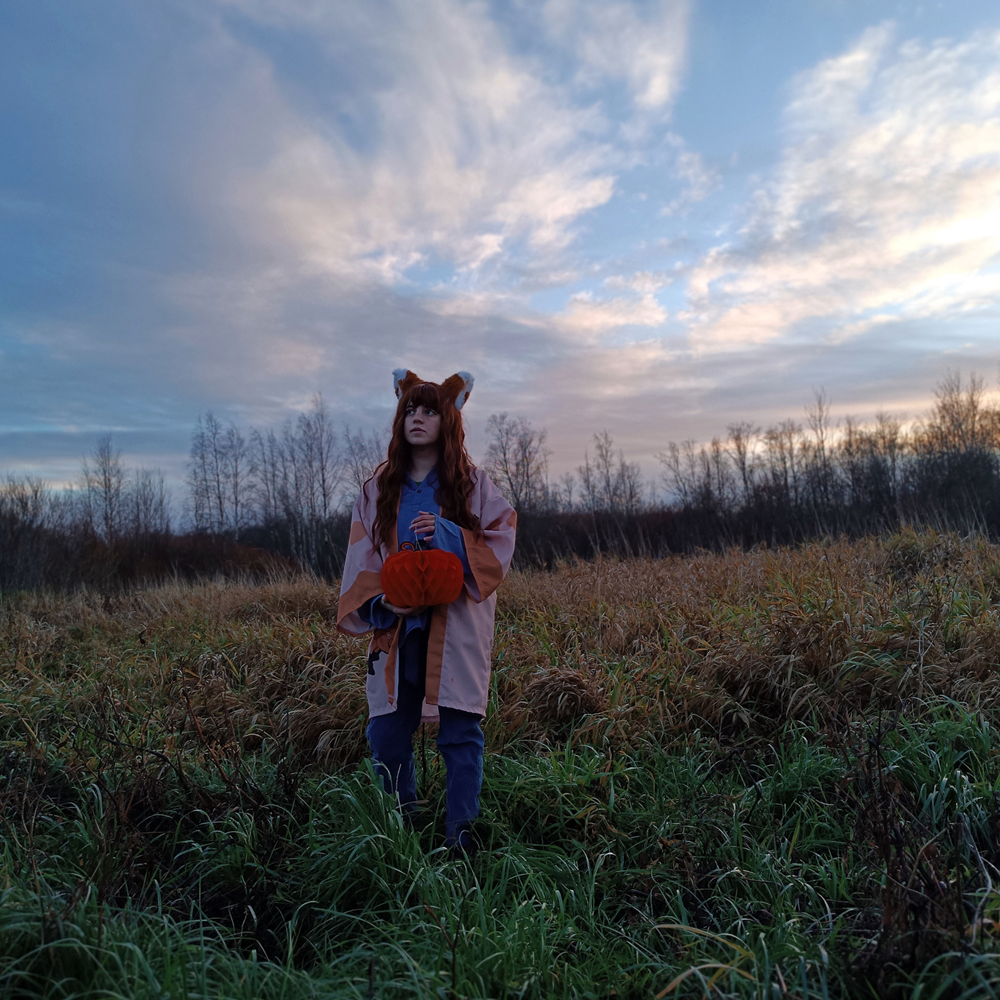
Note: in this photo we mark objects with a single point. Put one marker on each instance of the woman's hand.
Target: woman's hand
(424, 522)
(403, 612)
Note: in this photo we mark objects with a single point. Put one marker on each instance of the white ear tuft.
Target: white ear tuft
(398, 374)
(465, 391)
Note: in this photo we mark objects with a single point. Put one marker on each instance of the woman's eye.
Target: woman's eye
(410, 411)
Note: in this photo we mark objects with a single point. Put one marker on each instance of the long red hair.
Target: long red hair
(454, 467)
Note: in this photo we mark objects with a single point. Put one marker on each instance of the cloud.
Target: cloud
(886, 201)
(318, 191)
(290, 196)
(462, 150)
(645, 282)
(614, 40)
(458, 154)
(690, 168)
(586, 317)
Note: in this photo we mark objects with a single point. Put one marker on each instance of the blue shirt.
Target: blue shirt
(413, 498)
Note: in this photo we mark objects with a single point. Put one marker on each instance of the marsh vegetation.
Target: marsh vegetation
(754, 774)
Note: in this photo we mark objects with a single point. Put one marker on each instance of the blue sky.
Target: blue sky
(651, 217)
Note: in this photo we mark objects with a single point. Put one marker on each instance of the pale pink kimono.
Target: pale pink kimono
(460, 640)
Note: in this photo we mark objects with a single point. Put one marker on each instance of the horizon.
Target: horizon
(654, 484)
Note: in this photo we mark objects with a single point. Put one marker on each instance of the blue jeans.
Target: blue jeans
(460, 742)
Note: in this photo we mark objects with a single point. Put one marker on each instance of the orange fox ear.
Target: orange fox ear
(403, 379)
(457, 388)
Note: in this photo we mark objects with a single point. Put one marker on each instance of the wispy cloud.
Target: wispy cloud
(586, 318)
(465, 154)
(616, 40)
(645, 282)
(887, 199)
(464, 159)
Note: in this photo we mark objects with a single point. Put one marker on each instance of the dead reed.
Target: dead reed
(737, 644)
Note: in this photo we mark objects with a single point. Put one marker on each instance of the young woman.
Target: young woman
(428, 663)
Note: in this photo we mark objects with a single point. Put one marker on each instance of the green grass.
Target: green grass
(601, 874)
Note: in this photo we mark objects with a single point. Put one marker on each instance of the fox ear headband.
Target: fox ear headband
(455, 388)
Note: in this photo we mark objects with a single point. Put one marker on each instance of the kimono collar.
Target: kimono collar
(430, 480)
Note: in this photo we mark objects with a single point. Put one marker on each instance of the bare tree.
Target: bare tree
(821, 469)
(563, 496)
(517, 460)
(742, 437)
(781, 452)
(237, 472)
(205, 475)
(682, 475)
(854, 452)
(890, 445)
(220, 477)
(25, 514)
(818, 419)
(24, 500)
(317, 461)
(148, 503)
(603, 485)
(268, 485)
(960, 421)
(363, 454)
(104, 489)
(723, 484)
(611, 483)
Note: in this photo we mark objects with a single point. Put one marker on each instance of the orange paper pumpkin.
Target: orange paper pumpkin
(421, 577)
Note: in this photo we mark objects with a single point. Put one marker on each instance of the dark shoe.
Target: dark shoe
(463, 852)
(464, 846)
(416, 816)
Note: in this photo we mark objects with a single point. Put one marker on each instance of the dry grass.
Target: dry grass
(745, 642)
(735, 645)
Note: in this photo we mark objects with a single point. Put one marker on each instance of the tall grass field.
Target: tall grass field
(765, 774)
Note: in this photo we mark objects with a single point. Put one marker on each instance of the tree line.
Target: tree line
(775, 485)
(256, 502)
(287, 491)
(58, 538)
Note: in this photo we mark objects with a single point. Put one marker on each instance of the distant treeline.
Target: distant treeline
(113, 531)
(269, 501)
(791, 482)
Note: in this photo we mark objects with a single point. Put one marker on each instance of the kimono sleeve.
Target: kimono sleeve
(362, 578)
(490, 553)
(448, 537)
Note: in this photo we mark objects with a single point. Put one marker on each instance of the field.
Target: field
(763, 774)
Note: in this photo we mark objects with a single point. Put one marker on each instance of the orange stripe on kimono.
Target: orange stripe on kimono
(460, 640)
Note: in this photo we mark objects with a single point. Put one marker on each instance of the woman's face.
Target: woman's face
(421, 425)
